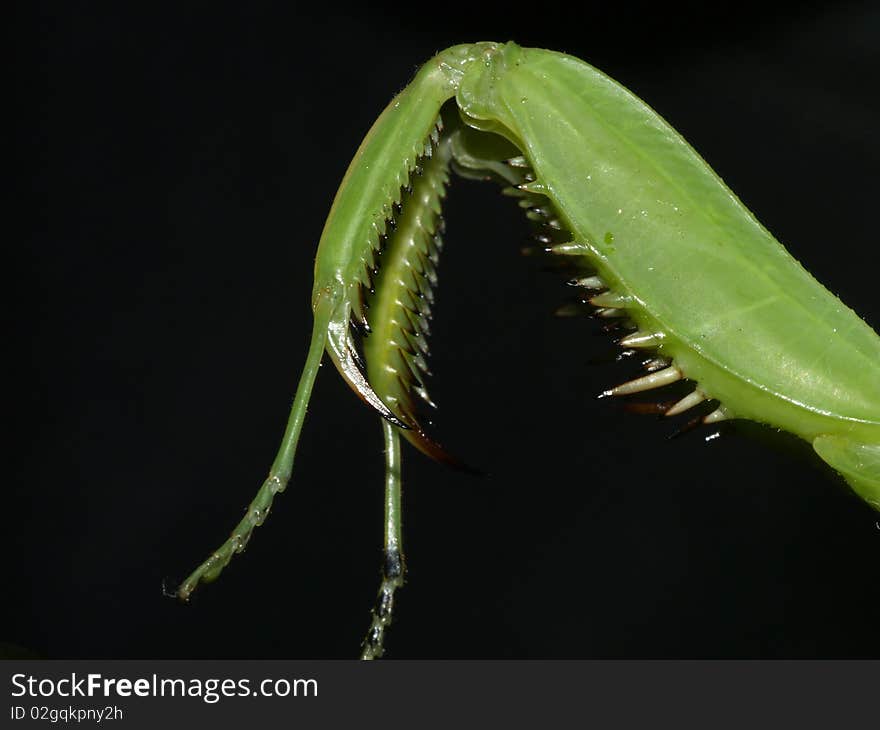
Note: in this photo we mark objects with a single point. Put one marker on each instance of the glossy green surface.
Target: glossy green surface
(734, 310)
(381, 166)
(681, 255)
(743, 316)
(364, 202)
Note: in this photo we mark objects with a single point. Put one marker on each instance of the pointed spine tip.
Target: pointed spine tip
(718, 415)
(686, 403)
(588, 282)
(610, 299)
(653, 380)
(640, 340)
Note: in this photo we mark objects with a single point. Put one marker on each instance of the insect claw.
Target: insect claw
(686, 403)
(349, 364)
(647, 382)
(433, 450)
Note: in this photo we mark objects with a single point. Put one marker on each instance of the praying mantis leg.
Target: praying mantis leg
(393, 567)
(279, 473)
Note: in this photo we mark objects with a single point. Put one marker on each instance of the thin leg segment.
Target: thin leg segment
(279, 474)
(393, 565)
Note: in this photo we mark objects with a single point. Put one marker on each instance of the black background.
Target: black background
(182, 163)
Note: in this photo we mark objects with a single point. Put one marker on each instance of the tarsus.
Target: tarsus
(279, 473)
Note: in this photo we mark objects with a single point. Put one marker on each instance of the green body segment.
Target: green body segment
(664, 228)
(380, 167)
(365, 202)
(734, 309)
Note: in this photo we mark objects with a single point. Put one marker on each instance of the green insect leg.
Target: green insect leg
(279, 473)
(393, 564)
